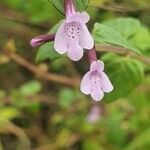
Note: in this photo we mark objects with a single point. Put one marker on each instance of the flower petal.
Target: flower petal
(97, 94)
(106, 84)
(60, 43)
(36, 42)
(84, 17)
(85, 86)
(74, 51)
(97, 65)
(85, 38)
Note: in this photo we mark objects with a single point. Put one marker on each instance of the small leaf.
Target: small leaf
(8, 113)
(81, 5)
(30, 88)
(46, 51)
(105, 34)
(124, 73)
(66, 97)
(91, 145)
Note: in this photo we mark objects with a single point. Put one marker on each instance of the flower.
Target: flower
(94, 114)
(73, 36)
(41, 39)
(96, 82)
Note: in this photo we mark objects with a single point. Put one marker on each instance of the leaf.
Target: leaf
(140, 142)
(91, 145)
(142, 39)
(132, 30)
(113, 123)
(105, 34)
(21, 100)
(8, 113)
(124, 73)
(66, 97)
(46, 51)
(30, 88)
(127, 27)
(33, 107)
(81, 5)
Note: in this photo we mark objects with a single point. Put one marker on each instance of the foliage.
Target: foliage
(80, 4)
(45, 115)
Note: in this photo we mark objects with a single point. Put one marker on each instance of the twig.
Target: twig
(46, 99)
(12, 128)
(122, 51)
(70, 81)
(119, 8)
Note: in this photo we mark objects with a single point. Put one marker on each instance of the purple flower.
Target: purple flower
(73, 36)
(41, 39)
(94, 114)
(96, 82)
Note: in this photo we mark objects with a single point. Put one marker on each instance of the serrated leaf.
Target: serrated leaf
(105, 34)
(80, 5)
(124, 73)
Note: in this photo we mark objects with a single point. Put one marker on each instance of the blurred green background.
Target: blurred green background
(39, 111)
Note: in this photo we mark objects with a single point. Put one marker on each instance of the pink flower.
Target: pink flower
(94, 114)
(73, 36)
(96, 82)
(39, 40)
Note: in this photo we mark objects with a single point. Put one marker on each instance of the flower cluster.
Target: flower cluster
(71, 38)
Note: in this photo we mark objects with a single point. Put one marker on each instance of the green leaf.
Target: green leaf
(142, 39)
(21, 100)
(113, 123)
(140, 142)
(81, 5)
(107, 35)
(8, 113)
(66, 97)
(91, 145)
(127, 27)
(46, 51)
(125, 74)
(34, 107)
(132, 30)
(30, 88)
